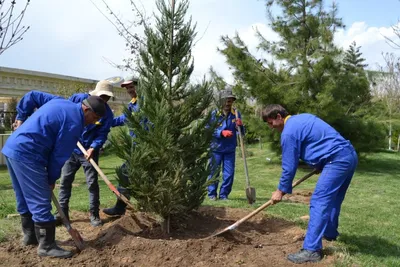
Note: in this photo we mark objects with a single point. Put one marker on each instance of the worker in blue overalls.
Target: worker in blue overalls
(223, 145)
(130, 83)
(92, 139)
(312, 140)
(35, 154)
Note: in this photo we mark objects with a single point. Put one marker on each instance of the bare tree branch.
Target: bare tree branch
(125, 29)
(394, 43)
(11, 31)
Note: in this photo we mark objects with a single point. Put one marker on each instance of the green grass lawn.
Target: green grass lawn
(369, 222)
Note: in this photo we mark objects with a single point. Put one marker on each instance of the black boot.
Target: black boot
(57, 216)
(118, 210)
(305, 255)
(45, 233)
(28, 228)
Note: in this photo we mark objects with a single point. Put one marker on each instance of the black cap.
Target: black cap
(96, 104)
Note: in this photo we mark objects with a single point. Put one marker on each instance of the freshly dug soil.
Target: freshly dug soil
(138, 241)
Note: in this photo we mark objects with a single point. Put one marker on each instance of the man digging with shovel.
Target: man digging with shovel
(35, 154)
(309, 138)
(224, 145)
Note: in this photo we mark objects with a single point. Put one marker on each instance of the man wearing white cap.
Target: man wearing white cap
(92, 138)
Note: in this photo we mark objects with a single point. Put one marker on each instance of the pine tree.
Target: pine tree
(167, 161)
(307, 72)
(353, 59)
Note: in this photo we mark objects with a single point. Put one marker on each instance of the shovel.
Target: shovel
(250, 191)
(109, 184)
(73, 232)
(264, 206)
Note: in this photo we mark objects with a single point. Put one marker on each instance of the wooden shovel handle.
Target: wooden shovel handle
(104, 177)
(246, 171)
(269, 203)
(73, 232)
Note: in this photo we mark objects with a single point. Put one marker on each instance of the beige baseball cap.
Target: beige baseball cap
(103, 87)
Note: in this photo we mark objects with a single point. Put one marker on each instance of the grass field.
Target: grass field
(370, 218)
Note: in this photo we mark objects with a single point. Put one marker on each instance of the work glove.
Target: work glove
(239, 122)
(227, 133)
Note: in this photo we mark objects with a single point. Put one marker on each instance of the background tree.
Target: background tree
(130, 30)
(10, 114)
(67, 89)
(386, 90)
(167, 161)
(11, 30)
(308, 73)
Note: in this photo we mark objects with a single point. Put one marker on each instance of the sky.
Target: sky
(74, 38)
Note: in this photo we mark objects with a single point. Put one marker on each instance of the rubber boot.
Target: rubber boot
(118, 210)
(45, 234)
(28, 228)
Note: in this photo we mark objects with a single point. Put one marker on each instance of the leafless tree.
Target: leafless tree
(394, 43)
(11, 30)
(387, 88)
(127, 30)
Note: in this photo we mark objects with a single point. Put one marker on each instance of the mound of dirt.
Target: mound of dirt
(138, 241)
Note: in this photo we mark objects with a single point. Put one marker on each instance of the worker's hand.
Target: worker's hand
(16, 124)
(239, 122)
(90, 153)
(227, 133)
(52, 186)
(277, 196)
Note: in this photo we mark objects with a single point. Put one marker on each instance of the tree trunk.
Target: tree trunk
(165, 225)
(390, 135)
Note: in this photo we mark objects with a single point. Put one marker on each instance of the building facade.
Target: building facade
(17, 82)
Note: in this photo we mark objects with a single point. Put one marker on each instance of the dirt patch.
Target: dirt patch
(299, 196)
(262, 241)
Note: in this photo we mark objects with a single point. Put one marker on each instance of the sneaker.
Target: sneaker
(305, 255)
(223, 198)
(95, 220)
(213, 198)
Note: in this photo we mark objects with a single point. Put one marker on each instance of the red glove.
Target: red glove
(227, 133)
(239, 122)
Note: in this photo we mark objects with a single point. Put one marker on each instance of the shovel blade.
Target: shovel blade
(78, 240)
(251, 194)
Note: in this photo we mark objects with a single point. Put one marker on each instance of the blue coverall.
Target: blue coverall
(36, 152)
(94, 135)
(223, 153)
(309, 138)
(133, 106)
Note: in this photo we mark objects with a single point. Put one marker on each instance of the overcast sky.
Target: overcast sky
(73, 38)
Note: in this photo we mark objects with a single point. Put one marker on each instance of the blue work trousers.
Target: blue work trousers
(69, 170)
(228, 172)
(32, 190)
(328, 196)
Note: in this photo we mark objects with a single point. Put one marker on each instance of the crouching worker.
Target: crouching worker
(35, 154)
(309, 138)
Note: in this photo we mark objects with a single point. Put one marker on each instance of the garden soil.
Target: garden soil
(138, 241)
